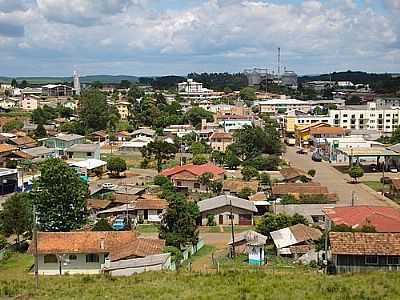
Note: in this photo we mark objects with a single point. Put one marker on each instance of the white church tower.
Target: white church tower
(77, 85)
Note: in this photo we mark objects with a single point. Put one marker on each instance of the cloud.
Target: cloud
(153, 36)
(7, 6)
(81, 12)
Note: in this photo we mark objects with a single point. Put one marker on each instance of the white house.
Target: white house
(283, 104)
(90, 252)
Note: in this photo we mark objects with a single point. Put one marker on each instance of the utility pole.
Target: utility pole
(383, 177)
(35, 240)
(232, 231)
(352, 198)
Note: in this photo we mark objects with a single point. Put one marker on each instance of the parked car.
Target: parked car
(373, 168)
(119, 224)
(316, 157)
(393, 169)
(108, 186)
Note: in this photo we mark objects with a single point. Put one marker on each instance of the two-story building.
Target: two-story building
(220, 141)
(83, 151)
(63, 141)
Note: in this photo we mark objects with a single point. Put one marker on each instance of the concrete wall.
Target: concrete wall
(78, 266)
(225, 212)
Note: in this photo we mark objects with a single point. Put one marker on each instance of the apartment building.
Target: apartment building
(366, 117)
(282, 105)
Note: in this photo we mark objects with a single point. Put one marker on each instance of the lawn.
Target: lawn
(375, 185)
(241, 283)
(147, 228)
(225, 228)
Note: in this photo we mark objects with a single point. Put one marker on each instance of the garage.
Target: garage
(245, 219)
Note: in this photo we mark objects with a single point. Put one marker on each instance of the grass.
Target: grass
(375, 185)
(147, 228)
(241, 283)
(225, 228)
(133, 160)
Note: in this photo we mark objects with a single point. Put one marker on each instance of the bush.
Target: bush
(211, 220)
(355, 172)
(249, 172)
(199, 160)
(265, 179)
(175, 253)
(161, 180)
(245, 193)
(116, 165)
(264, 163)
(311, 172)
(102, 225)
(11, 164)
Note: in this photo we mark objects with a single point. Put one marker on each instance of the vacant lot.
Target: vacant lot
(234, 282)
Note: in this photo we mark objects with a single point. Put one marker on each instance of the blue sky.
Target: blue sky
(161, 37)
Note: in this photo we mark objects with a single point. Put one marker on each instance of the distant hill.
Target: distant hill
(84, 79)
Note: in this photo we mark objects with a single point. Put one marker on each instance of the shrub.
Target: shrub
(199, 160)
(161, 180)
(176, 254)
(211, 220)
(249, 172)
(245, 193)
(311, 172)
(11, 164)
(102, 225)
(355, 172)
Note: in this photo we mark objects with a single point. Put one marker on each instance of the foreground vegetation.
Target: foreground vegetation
(235, 282)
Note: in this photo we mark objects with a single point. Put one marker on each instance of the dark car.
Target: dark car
(301, 151)
(316, 157)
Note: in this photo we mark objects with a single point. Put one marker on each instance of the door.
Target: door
(244, 219)
(221, 220)
(146, 214)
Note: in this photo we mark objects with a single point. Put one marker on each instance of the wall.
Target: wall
(74, 267)
(226, 212)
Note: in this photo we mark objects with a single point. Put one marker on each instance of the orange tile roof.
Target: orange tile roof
(194, 169)
(328, 130)
(7, 148)
(151, 204)
(384, 219)
(361, 243)
(237, 185)
(299, 188)
(119, 244)
(24, 140)
(98, 203)
(221, 135)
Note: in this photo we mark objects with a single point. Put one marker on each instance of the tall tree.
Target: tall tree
(196, 114)
(160, 150)
(60, 197)
(40, 131)
(116, 165)
(94, 112)
(178, 226)
(16, 216)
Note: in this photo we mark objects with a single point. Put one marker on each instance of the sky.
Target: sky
(164, 37)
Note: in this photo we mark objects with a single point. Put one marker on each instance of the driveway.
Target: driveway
(336, 181)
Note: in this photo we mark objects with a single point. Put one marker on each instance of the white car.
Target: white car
(108, 186)
(393, 170)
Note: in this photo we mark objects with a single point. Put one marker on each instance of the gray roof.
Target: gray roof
(145, 131)
(150, 260)
(249, 236)
(306, 210)
(129, 190)
(68, 137)
(225, 200)
(83, 148)
(38, 151)
(118, 209)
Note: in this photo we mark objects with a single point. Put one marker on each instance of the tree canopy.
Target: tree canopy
(160, 150)
(60, 197)
(271, 222)
(116, 165)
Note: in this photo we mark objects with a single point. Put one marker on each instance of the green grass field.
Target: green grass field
(231, 283)
(375, 185)
(147, 228)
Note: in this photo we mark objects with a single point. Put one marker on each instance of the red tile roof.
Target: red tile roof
(361, 243)
(384, 219)
(151, 204)
(328, 130)
(194, 169)
(119, 244)
(221, 135)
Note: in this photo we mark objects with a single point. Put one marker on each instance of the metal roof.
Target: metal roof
(368, 152)
(225, 200)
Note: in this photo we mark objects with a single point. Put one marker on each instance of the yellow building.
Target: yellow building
(303, 133)
(123, 109)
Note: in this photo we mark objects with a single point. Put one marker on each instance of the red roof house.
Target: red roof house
(186, 177)
(384, 219)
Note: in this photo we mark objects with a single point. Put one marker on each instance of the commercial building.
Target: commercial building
(57, 90)
(192, 90)
(282, 105)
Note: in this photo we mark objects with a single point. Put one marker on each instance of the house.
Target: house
(312, 212)
(23, 142)
(382, 218)
(30, 103)
(303, 133)
(150, 210)
(96, 205)
(83, 151)
(299, 189)
(5, 151)
(221, 208)
(295, 240)
(40, 153)
(360, 251)
(89, 252)
(187, 177)
(98, 136)
(283, 104)
(89, 167)
(63, 141)
(318, 135)
(136, 144)
(220, 141)
(123, 136)
(293, 174)
(147, 132)
(234, 187)
(123, 109)
(243, 238)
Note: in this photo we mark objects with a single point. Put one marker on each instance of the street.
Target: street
(336, 181)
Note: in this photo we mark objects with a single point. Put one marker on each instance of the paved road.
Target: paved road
(336, 182)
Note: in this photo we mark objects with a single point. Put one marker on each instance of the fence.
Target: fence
(189, 251)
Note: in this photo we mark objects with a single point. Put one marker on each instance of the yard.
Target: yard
(235, 282)
(375, 185)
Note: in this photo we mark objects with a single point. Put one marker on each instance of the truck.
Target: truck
(290, 141)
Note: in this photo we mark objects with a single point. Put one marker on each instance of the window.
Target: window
(50, 259)
(345, 116)
(196, 185)
(393, 260)
(88, 153)
(371, 260)
(92, 258)
(72, 257)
